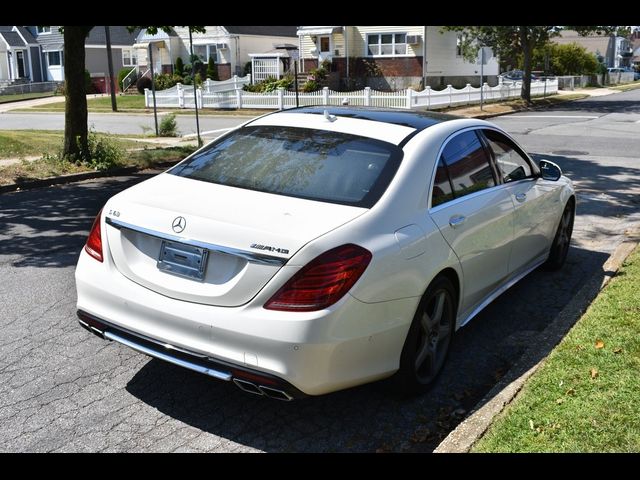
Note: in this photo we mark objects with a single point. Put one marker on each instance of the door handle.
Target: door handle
(457, 220)
(521, 197)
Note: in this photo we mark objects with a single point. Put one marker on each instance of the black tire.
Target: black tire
(427, 344)
(560, 245)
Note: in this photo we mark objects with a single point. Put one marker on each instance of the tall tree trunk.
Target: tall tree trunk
(527, 51)
(75, 125)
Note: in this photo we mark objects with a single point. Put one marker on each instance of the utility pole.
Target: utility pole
(153, 87)
(107, 34)
(195, 96)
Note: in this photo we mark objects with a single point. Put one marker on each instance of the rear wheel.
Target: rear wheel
(429, 337)
(560, 245)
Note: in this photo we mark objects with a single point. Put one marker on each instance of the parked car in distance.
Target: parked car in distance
(318, 248)
(515, 75)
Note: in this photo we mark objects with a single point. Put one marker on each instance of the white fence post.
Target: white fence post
(450, 90)
(199, 96)
(180, 89)
(239, 98)
(235, 82)
(367, 96)
(280, 98)
(147, 103)
(409, 98)
(428, 90)
(325, 95)
(468, 87)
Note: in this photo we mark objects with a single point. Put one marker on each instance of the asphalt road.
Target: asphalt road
(137, 124)
(63, 389)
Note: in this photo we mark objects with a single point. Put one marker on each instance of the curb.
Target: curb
(77, 177)
(467, 433)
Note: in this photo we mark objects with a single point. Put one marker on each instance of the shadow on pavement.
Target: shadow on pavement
(47, 227)
(372, 417)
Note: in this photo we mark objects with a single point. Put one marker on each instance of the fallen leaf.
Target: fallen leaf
(579, 347)
(560, 401)
(561, 383)
(594, 372)
(531, 426)
(571, 391)
(599, 344)
(617, 350)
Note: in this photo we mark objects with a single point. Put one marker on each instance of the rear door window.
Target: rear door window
(511, 164)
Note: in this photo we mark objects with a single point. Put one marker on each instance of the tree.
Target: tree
(509, 41)
(569, 59)
(75, 112)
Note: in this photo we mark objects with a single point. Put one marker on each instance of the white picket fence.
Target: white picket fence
(225, 97)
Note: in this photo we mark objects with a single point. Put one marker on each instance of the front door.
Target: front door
(20, 62)
(54, 66)
(474, 216)
(324, 48)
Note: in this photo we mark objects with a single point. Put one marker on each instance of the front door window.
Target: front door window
(20, 61)
(324, 48)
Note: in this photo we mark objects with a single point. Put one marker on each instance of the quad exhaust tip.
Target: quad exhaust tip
(270, 392)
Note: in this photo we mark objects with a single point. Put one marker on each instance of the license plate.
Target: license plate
(183, 260)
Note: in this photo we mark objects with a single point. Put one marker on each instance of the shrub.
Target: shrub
(198, 79)
(165, 81)
(212, 70)
(311, 86)
(104, 154)
(88, 85)
(179, 67)
(168, 126)
(142, 83)
(188, 79)
(270, 84)
(247, 68)
(123, 73)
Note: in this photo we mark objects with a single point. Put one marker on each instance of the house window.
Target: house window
(129, 57)
(205, 51)
(387, 44)
(42, 30)
(54, 58)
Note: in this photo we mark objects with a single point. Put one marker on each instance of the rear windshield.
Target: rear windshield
(298, 162)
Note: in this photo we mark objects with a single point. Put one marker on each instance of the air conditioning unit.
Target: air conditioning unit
(413, 39)
(221, 46)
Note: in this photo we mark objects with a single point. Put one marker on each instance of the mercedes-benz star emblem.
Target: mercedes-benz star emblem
(178, 224)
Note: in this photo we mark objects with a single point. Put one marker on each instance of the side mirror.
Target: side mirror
(550, 170)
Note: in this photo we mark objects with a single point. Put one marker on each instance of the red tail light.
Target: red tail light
(94, 243)
(323, 281)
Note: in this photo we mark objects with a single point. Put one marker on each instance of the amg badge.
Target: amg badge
(269, 248)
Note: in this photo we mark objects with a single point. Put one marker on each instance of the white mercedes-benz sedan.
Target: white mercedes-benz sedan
(318, 248)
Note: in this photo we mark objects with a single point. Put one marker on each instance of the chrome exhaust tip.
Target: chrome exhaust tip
(247, 386)
(276, 394)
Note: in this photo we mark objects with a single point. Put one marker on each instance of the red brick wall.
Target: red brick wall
(391, 67)
(224, 71)
(310, 63)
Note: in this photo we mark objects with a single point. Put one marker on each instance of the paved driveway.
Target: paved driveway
(63, 389)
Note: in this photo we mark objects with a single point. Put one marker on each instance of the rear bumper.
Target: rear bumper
(302, 353)
(247, 379)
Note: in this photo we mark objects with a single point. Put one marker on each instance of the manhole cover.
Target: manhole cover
(569, 152)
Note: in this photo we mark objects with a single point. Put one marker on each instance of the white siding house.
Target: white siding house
(390, 57)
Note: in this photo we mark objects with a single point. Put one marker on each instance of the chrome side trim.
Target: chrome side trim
(250, 256)
(167, 358)
(500, 290)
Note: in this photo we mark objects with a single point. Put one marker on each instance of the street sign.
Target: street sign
(484, 55)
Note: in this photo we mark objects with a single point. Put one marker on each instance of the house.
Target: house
(390, 57)
(51, 43)
(19, 56)
(612, 50)
(228, 45)
(635, 47)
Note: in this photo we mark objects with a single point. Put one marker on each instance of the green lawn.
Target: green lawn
(24, 96)
(100, 104)
(22, 143)
(586, 396)
(626, 86)
(50, 166)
